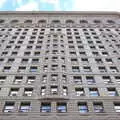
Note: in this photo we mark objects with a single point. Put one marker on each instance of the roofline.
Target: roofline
(60, 12)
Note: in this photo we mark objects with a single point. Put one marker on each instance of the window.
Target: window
(117, 107)
(83, 21)
(65, 90)
(35, 60)
(2, 21)
(61, 107)
(45, 107)
(25, 107)
(18, 79)
(98, 60)
(117, 79)
(98, 107)
(64, 78)
(110, 21)
(28, 21)
(43, 90)
(24, 60)
(63, 68)
(84, 60)
(11, 60)
(69, 21)
(14, 21)
(54, 77)
(82, 107)
(75, 69)
(2, 79)
(102, 69)
(54, 90)
(54, 67)
(45, 68)
(94, 92)
(107, 79)
(113, 69)
(33, 69)
(6, 69)
(77, 79)
(31, 79)
(21, 69)
(87, 69)
(109, 61)
(112, 92)
(79, 92)
(90, 79)
(44, 78)
(9, 107)
(14, 92)
(28, 91)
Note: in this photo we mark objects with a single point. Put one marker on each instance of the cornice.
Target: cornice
(59, 12)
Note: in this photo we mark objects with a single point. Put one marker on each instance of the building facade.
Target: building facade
(59, 66)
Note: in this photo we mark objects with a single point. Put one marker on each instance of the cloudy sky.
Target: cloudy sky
(60, 5)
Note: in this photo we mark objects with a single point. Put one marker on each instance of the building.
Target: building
(59, 66)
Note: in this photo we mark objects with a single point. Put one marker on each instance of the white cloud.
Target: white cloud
(2, 3)
(96, 5)
(28, 7)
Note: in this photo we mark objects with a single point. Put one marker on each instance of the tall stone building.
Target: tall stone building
(59, 66)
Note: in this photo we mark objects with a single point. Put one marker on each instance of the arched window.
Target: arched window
(28, 21)
(97, 21)
(83, 21)
(42, 21)
(56, 21)
(69, 21)
(110, 21)
(2, 21)
(14, 21)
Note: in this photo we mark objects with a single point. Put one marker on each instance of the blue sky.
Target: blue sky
(59, 5)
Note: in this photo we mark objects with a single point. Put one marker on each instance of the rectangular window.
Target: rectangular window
(82, 107)
(33, 69)
(117, 79)
(43, 90)
(114, 69)
(2, 79)
(54, 90)
(87, 69)
(117, 107)
(107, 79)
(21, 69)
(31, 79)
(112, 92)
(61, 107)
(98, 107)
(18, 79)
(9, 107)
(54, 77)
(14, 92)
(45, 107)
(6, 69)
(28, 91)
(93, 92)
(25, 107)
(102, 69)
(90, 80)
(79, 92)
(77, 79)
(75, 69)
(65, 90)
(64, 78)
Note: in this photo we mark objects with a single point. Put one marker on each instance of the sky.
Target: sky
(60, 5)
